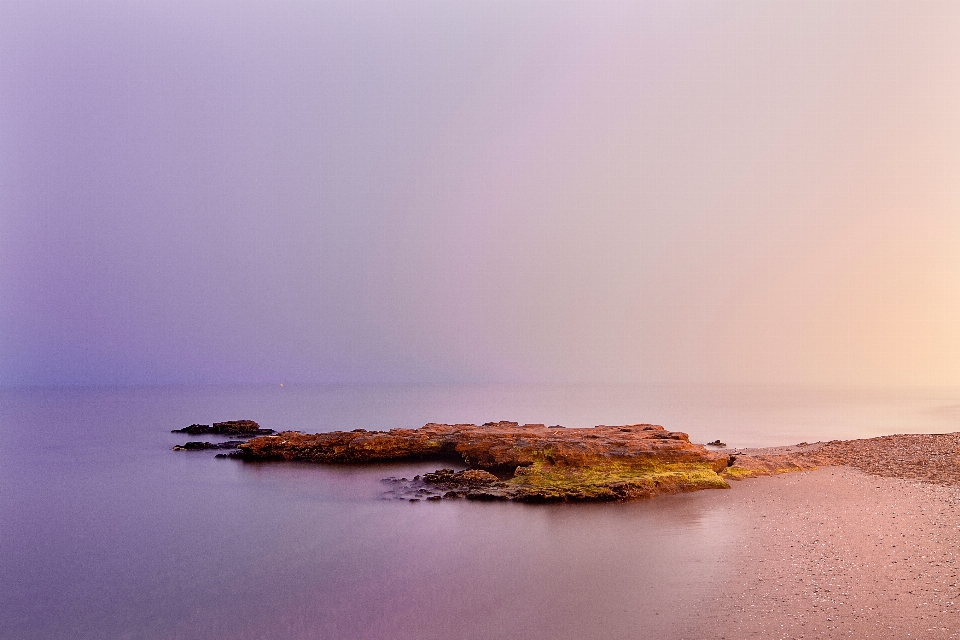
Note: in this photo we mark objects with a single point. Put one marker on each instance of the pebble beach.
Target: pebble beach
(868, 547)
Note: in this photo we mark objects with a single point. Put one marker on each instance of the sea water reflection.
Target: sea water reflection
(107, 533)
(347, 567)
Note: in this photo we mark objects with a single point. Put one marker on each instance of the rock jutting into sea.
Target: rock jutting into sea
(536, 463)
(510, 461)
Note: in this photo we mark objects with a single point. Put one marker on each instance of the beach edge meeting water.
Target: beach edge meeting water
(114, 535)
(535, 463)
(855, 546)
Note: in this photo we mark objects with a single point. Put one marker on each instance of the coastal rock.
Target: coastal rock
(199, 446)
(494, 445)
(469, 478)
(536, 463)
(229, 428)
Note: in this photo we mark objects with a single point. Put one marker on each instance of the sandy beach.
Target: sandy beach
(836, 553)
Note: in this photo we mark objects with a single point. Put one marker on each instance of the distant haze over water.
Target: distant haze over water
(393, 192)
(741, 416)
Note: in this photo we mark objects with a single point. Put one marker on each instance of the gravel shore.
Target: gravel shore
(933, 458)
(866, 550)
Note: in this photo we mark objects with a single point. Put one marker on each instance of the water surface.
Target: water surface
(107, 533)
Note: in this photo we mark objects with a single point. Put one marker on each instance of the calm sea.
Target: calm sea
(107, 533)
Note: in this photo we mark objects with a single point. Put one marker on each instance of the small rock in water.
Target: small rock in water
(198, 446)
(228, 428)
(717, 443)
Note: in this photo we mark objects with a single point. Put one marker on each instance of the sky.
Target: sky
(455, 191)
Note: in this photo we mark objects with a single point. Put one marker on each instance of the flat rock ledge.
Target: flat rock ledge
(510, 461)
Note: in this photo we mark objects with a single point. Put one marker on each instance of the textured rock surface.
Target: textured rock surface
(504, 445)
(533, 462)
(199, 446)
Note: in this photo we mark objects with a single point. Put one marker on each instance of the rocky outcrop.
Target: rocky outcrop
(247, 428)
(495, 445)
(536, 463)
(200, 446)
(530, 462)
(237, 428)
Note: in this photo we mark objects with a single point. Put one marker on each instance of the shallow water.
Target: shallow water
(107, 533)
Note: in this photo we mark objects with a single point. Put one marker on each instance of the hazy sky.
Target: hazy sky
(479, 191)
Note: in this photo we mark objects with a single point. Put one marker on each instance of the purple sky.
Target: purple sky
(479, 191)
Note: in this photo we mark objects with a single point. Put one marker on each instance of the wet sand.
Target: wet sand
(836, 553)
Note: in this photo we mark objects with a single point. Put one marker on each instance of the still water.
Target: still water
(107, 533)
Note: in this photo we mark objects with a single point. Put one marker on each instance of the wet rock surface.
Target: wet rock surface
(474, 484)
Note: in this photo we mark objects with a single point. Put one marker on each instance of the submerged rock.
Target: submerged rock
(467, 478)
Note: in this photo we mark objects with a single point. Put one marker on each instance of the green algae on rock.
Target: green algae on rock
(753, 465)
(541, 482)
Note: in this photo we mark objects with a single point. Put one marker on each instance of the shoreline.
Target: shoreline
(536, 463)
(865, 546)
(864, 543)
(837, 552)
(854, 538)
(931, 458)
